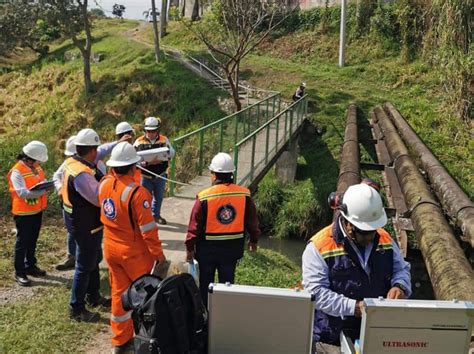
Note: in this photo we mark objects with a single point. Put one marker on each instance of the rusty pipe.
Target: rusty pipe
(450, 272)
(349, 170)
(456, 203)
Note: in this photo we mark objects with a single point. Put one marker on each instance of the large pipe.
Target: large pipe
(456, 203)
(450, 273)
(349, 171)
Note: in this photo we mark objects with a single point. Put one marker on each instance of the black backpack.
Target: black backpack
(169, 316)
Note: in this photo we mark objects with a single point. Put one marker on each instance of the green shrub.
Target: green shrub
(268, 200)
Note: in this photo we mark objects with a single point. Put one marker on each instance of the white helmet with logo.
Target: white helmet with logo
(123, 127)
(152, 123)
(362, 206)
(87, 137)
(36, 150)
(70, 146)
(123, 154)
(222, 163)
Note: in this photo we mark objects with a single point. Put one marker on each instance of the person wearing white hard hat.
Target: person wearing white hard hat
(80, 196)
(124, 128)
(131, 242)
(299, 93)
(221, 216)
(152, 139)
(352, 259)
(27, 208)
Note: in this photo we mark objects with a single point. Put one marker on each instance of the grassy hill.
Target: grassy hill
(374, 74)
(44, 99)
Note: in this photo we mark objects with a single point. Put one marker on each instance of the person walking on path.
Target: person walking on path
(220, 217)
(27, 208)
(152, 139)
(131, 242)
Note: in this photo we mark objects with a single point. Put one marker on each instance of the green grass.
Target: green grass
(44, 99)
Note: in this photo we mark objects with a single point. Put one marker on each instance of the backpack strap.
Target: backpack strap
(198, 310)
(178, 319)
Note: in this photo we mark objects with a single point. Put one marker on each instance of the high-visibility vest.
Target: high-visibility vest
(32, 176)
(142, 143)
(72, 168)
(225, 211)
(121, 224)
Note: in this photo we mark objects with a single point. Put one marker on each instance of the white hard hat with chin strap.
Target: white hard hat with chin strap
(123, 154)
(152, 123)
(123, 127)
(70, 146)
(362, 206)
(222, 163)
(87, 137)
(36, 150)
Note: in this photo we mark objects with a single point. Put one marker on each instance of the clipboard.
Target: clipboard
(45, 185)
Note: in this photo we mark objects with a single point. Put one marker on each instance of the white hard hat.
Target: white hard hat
(303, 84)
(87, 137)
(222, 163)
(152, 123)
(123, 127)
(70, 146)
(362, 206)
(123, 154)
(36, 150)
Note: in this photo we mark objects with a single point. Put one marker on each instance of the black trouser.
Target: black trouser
(28, 229)
(207, 271)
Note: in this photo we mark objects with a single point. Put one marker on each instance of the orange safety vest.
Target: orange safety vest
(225, 211)
(143, 140)
(72, 168)
(32, 176)
(120, 229)
(328, 248)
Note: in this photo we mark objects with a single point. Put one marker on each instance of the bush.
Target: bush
(268, 200)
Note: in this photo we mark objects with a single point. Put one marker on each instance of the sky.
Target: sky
(133, 8)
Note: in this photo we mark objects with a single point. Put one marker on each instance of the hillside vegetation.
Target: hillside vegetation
(44, 99)
(376, 71)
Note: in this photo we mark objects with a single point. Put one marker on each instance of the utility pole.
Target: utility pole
(155, 32)
(342, 39)
(163, 17)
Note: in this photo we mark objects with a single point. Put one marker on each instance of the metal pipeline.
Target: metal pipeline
(450, 272)
(456, 203)
(349, 171)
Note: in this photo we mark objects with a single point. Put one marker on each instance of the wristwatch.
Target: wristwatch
(401, 287)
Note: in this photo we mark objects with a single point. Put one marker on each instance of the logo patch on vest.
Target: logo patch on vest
(146, 204)
(226, 214)
(108, 206)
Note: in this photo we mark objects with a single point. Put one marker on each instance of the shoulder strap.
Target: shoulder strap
(199, 313)
(178, 319)
(130, 215)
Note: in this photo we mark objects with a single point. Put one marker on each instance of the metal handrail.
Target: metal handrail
(300, 107)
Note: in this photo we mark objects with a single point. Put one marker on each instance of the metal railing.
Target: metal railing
(265, 142)
(222, 135)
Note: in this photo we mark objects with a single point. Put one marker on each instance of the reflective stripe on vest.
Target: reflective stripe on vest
(28, 206)
(225, 211)
(72, 168)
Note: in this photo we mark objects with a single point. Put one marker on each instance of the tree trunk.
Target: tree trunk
(87, 49)
(155, 32)
(234, 88)
(163, 16)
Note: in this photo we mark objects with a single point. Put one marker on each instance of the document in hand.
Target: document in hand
(160, 154)
(42, 186)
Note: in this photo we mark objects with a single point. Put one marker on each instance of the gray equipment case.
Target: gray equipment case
(251, 319)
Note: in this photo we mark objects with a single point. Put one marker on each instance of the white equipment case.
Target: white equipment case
(251, 319)
(414, 326)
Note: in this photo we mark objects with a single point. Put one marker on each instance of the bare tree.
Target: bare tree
(233, 28)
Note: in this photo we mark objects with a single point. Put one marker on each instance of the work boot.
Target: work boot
(127, 348)
(22, 280)
(160, 220)
(84, 316)
(100, 301)
(68, 264)
(34, 271)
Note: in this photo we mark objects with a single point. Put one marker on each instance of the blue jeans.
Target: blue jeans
(71, 243)
(86, 276)
(28, 229)
(156, 187)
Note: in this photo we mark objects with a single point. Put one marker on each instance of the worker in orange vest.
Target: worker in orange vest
(27, 208)
(220, 217)
(131, 243)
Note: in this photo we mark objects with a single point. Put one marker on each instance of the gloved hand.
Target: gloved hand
(160, 268)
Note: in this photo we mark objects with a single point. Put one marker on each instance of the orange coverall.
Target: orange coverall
(131, 243)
